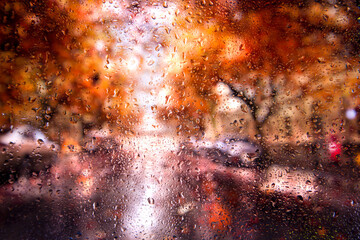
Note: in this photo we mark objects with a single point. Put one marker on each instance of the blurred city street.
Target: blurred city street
(182, 193)
(175, 119)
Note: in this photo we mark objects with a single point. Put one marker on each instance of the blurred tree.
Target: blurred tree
(286, 61)
(55, 66)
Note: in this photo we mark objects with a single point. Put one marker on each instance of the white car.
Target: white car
(26, 147)
(230, 151)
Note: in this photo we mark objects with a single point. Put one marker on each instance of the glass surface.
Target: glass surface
(190, 119)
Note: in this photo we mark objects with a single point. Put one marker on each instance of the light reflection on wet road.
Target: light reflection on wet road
(149, 187)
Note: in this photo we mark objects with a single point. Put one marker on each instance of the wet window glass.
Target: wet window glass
(196, 119)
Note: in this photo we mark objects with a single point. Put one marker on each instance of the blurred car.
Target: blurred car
(230, 151)
(25, 149)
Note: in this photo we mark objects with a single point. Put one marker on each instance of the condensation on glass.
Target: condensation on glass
(190, 119)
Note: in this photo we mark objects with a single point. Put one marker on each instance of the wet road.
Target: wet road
(159, 194)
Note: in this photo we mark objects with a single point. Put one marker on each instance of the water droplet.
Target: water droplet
(151, 201)
(40, 141)
(244, 108)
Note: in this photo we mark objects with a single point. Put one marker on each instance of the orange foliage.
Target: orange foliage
(54, 53)
(232, 42)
